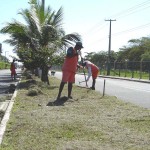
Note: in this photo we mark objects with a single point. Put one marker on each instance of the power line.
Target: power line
(132, 29)
(130, 9)
(122, 32)
(127, 12)
(133, 12)
(123, 13)
(96, 27)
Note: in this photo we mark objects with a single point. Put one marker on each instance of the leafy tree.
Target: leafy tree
(145, 56)
(123, 54)
(100, 58)
(41, 36)
(135, 49)
(89, 56)
(3, 58)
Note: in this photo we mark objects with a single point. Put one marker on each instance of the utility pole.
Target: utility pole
(109, 48)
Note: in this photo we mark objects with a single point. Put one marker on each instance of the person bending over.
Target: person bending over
(93, 71)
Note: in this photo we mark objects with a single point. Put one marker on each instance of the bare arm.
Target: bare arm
(89, 73)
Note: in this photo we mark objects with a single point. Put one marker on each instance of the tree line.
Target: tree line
(137, 50)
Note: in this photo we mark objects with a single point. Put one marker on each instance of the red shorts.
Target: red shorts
(13, 72)
(94, 74)
(68, 76)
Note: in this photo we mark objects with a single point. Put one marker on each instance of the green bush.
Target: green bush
(4, 65)
(32, 92)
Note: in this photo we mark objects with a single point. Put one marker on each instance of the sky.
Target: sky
(89, 19)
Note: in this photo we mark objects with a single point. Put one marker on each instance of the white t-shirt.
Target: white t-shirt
(88, 66)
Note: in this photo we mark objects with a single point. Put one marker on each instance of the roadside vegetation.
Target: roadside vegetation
(4, 62)
(4, 65)
(88, 121)
(128, 74)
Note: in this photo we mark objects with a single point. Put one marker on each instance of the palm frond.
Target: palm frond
(58, 18)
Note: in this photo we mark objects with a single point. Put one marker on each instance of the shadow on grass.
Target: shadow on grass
(53, 87)
(23, 85)
(58, 102)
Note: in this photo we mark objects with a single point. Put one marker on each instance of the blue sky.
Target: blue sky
(88, 19)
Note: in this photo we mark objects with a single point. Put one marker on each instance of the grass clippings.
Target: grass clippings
(86, 122)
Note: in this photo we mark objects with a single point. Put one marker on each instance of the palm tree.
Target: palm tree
(40, 37)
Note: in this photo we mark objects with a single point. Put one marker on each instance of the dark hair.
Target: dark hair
(79, 44)
(84, 64)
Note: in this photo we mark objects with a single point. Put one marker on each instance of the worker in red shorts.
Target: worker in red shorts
(93, 71)
(13, 70)
(69, 68)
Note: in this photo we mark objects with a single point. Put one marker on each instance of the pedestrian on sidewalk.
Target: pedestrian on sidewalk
(93, 71)
(69, 68)
(13, 70)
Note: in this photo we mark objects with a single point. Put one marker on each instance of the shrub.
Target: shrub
(32, 92)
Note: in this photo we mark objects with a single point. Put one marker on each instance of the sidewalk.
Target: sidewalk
(7, 87)
(7, 95)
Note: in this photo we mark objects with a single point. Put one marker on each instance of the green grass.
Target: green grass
(128, 74)
(88, 122)
(142, 125)
(123, 73)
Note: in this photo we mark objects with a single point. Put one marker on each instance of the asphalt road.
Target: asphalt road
(6, 81)
(135, 92)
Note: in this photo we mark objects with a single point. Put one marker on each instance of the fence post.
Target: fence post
(119, 67)
(126, 61)
(132, 70)
(115, 67)
(149, 72)
(141, 69)
(104, 88)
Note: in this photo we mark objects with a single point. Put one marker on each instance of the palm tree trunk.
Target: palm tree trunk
(43, 4)
(44, 77)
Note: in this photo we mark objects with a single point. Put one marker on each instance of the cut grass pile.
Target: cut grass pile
(88, 122)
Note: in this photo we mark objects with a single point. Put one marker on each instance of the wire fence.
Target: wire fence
(129, 69)
(132, 69)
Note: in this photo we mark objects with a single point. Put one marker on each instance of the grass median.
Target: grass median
(87, 122)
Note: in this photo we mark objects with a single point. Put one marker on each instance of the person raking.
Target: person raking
(69, 68)
(93, 71)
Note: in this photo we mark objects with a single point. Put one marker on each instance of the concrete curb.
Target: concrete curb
(7, 114)
(123, 78)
